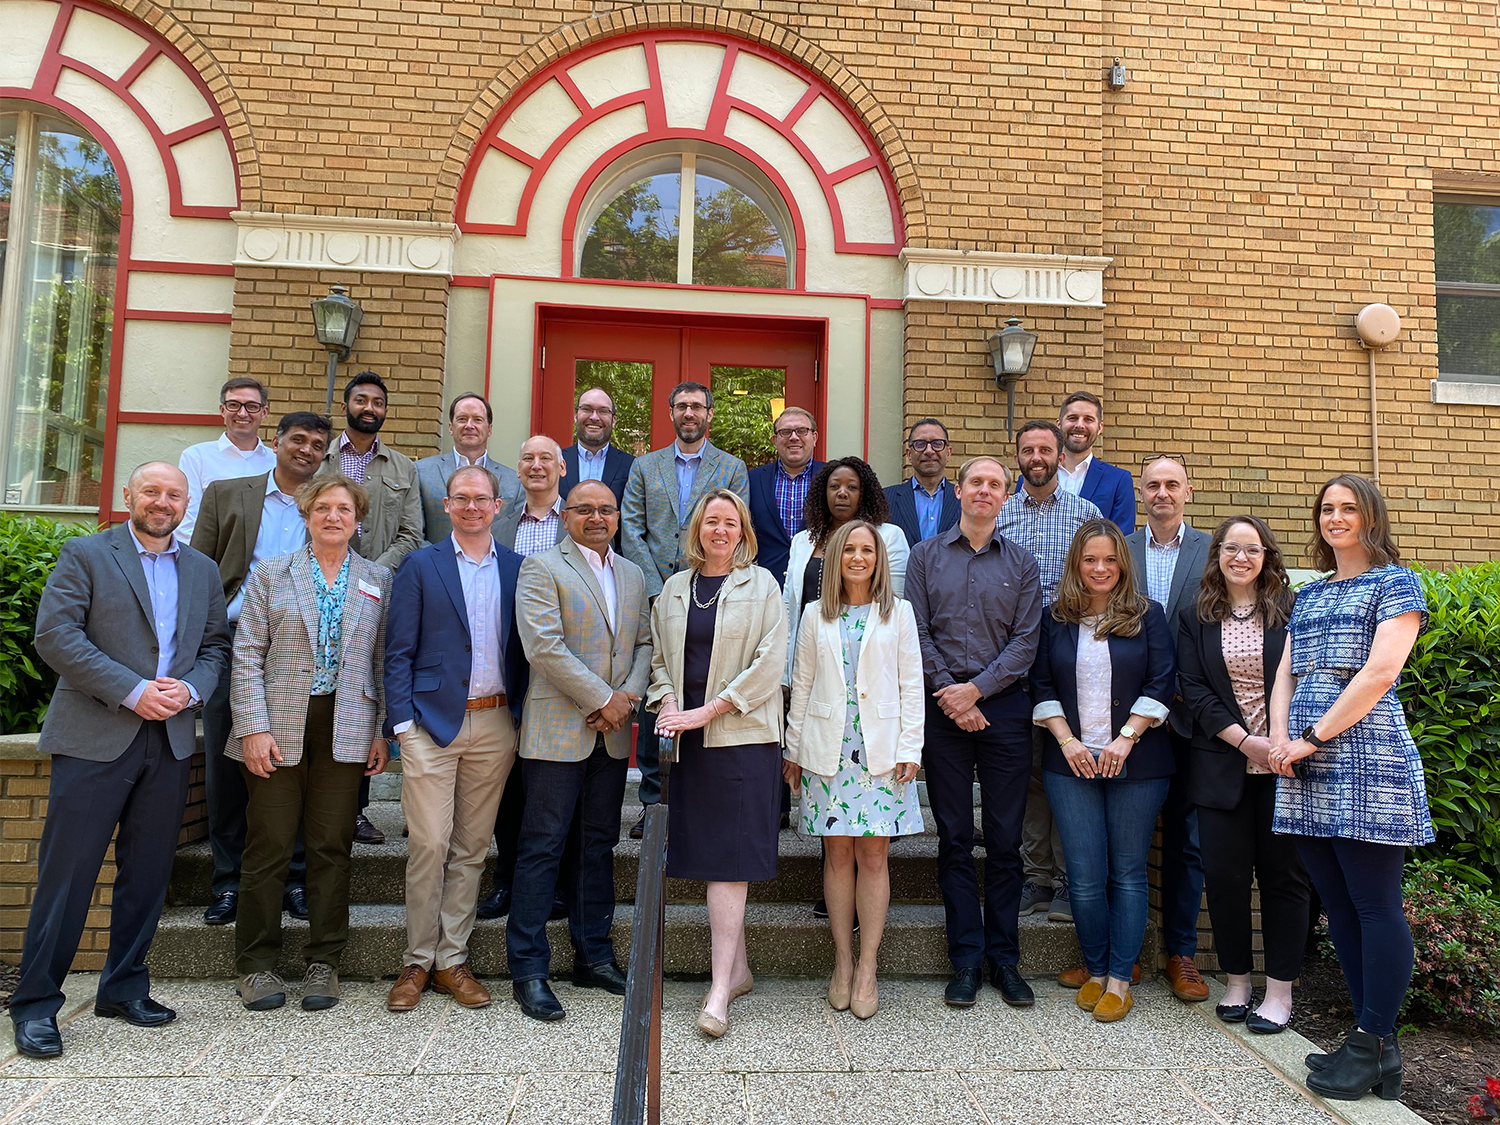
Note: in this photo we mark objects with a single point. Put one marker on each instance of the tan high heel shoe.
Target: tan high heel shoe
(838, 996)
(864, 1009)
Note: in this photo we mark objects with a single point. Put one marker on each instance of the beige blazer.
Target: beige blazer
(273, 657)
(749, 652)
(887, 682)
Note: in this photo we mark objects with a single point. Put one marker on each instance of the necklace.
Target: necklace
(711, 598)
(1243, 612)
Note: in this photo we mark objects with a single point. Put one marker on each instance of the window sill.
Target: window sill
(1456, 392)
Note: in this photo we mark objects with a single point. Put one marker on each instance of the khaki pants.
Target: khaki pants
(1041, 846)
(450, 795)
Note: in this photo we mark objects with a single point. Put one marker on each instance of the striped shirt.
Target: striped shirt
(1046, 529)
(791, 497)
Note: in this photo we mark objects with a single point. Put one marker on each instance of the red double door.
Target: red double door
(755, 367)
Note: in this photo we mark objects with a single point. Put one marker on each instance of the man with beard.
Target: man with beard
(663, 489)
(926, 505)
(1108, 488)
(393, 529)
(132, 622)
(778, 491)
(470, 422)
(592, 456)
(1043, 517)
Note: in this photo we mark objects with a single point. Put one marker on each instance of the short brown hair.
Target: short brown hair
(1126, 607)
(1273, 589)
(1374, 523)
(1082, 396)
(308, 494)
(882, 596)
(692, 548)
(967, 467)
(244, 383)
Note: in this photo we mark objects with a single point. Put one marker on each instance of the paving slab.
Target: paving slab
(687, 1099)
(933, 1098)
(339, 1100)
(134, 1101)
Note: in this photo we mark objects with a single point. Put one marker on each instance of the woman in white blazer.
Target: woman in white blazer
(853, 745)
(842, 490)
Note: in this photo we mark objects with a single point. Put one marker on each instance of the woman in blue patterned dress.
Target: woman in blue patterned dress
(1351, 789)
(853, 745)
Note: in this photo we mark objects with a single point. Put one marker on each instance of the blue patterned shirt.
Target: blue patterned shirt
(1161, 564)
(330, 626)
(1046, 529)
(791, 497)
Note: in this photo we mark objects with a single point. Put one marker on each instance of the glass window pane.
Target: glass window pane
(629, 384)
(734, 241)
(1466, 242)
(746, 401)
(635, 237)
(7, 176)
(1469, 336)
(66, 258)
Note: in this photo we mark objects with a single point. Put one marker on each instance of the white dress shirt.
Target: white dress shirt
(209, 461)
(603, 567)
(1072, 480)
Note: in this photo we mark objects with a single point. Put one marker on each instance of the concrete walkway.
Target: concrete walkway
(787, 1058)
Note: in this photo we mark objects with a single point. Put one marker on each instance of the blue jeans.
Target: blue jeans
(1106, 834)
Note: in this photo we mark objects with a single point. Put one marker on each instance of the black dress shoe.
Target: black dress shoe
(365, 832)
(608, 976)
(496, 906)
(559, 909)
(39, 1039)
(963, 989)
(223, 909)
(294, 902)
(820, 908)
(144, 1012)
(1261, 1026)
(1232, 1013)
(1012, 985)
(638, 829)
(537, 1000)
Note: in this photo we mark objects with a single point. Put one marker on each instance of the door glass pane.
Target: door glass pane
(629, 384)
(734, 241)
(65, 262)
(635, 237)
(746, 401)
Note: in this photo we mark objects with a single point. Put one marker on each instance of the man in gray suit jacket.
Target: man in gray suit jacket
(133, 623)
(470, 422)
(1169, 556)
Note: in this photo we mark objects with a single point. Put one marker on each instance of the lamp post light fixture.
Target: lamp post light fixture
(336, 320)
(1010, 350)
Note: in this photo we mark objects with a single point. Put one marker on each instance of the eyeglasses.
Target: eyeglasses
(589, 511)
(1251, 552)
(1180, 458)
(469, 501)
(937, 445)
(601, 411)
(802, 432)
(232, 407)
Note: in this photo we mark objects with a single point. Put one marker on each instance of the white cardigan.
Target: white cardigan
(888, 681)
(896, 550)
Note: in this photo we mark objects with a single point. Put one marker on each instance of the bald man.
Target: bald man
(133, 623)
(531, 521)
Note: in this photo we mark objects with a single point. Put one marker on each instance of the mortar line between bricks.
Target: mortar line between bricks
(1193, 1094)
(276, 1101)
(15, 1114)
(973, 1097)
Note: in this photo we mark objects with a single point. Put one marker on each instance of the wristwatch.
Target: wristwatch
(1130, 732)
(1309, 737)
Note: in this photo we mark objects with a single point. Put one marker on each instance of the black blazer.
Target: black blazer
(1218, 769)
(616, 470)
(1140, 665)
(765, 517)
(904, 510)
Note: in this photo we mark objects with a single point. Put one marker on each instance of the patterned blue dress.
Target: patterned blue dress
(1367, 783)
(854, 801)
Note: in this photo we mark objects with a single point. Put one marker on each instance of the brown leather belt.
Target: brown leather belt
(485, 702)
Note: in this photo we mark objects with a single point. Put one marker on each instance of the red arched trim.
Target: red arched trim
(652, 101)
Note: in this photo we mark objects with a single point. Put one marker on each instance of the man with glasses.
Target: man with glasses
(926, 505)
(1169, 557)
(778, 490)
(592, 456)
(237, 452)
(470, 422)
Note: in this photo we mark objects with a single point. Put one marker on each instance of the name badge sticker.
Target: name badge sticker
(368, 590)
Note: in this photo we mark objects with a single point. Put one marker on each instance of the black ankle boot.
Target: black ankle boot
(1319, 1060)
(1364, 1063)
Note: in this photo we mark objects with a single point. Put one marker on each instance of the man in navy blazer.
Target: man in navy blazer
(936, 509)
(778, 490)
(591, 456)
(1111, 489)
(455, 677)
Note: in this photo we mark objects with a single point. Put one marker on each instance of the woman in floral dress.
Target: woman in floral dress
(853, 746)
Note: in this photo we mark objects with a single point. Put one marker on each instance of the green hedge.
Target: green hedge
(29, 548)
(1451, 692)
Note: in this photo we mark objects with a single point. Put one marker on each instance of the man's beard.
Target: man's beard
(366, 425)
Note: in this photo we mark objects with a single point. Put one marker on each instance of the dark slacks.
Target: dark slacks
(508, 839)
(647, 753)
(143, 791)
(1181, 859)
(1360, 884)
(594, 789)
(1001, 756)
(1237, 844)
(320, 794)
(227, 795)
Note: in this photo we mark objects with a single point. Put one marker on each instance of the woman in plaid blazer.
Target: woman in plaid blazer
(308, 707)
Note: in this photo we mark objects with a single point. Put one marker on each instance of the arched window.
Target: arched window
(59, 249)
(636, 227)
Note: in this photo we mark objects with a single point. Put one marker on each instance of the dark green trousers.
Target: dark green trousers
(322, 796)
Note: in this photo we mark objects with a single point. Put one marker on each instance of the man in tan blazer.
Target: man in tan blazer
(585, 624)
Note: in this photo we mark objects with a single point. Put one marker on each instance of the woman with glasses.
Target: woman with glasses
(1227, 656)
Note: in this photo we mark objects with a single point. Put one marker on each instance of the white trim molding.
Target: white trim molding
(332, 242)
(1460, 393)
(995, 278)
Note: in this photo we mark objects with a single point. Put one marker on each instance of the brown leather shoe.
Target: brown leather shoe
(459, 983)
(1186, 983)
(406, 993)
(1077, 978)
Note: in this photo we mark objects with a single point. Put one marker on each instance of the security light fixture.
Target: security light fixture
(336, 321)
(1010, 350)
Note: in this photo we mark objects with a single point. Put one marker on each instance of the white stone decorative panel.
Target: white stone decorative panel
(611, 74)
(180, 292)
(865, 207)
(173, 367)
(765, 85)
(830, 136)
(1459, 393)
(169, 96)
(995, 278)
(499, 184)
(689, 78)
(331, 242)
(102, 43)
(28, 27)
(540, 119)
(205, 170)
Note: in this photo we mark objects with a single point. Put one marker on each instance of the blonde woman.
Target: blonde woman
(853, 746)
(718, 632)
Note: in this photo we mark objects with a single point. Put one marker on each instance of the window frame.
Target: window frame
(1442, 288)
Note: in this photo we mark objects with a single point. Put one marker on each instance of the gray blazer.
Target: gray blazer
(1183, 598)
(432, 480)
(651, 525)
(504, 527)
(94, 629)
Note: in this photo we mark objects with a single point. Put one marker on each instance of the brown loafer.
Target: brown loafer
(1077, 978)
(406, 993)
(1186, 983)
(459, 983)
(1112, 1008)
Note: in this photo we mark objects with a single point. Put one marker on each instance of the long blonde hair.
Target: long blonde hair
(881, 594)
(692, 546)
(1125, 609)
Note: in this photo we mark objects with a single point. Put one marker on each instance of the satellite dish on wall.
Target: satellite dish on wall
(1377, 325)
